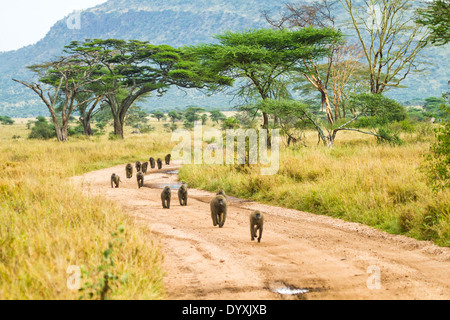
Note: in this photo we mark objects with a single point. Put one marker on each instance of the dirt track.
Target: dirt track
(328, 257)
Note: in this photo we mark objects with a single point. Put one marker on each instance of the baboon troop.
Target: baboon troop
(115, 180)
(183, 195)
(219, 210)
(167, 158)
(144, 167)
(218, 205)
(129, 171)
(166, 194)
(152, 162)
(159, 162)
(138, 166)
(140, 179)
(256, 223)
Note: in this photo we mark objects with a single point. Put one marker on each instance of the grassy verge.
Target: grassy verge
(46, 225)
(358, 180)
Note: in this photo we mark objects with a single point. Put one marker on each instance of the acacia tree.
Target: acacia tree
(436, 16)
(390, 38)
(260, 58)
(133, 69)
(62, 80)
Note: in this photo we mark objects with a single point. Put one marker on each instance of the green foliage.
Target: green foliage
(378, 109)
(437, 18)
(106, 277)
(42, 130)
(6, 120)
(231, 123)
(438, 161)
(216, 116)
(433, 108)
(158, 115)
(387, 135)
(191, 114)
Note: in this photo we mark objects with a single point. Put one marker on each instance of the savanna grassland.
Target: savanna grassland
(47, 225)
(358, 180)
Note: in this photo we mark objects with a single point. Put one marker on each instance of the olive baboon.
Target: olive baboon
(159, 162)
(167, 158)
(138, 166)
(166, 194)
(219, 210)
(129, 171)
(183, 195)
(256, 223)
(221, 193)
(144, 167)
(115, 180)
(140, 179)
(152, 162)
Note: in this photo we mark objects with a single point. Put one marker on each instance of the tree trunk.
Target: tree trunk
(86, 123)
(118, 127)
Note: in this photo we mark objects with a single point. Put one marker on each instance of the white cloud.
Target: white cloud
(24, 22)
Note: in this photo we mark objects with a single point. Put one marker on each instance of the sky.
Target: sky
(25, 22)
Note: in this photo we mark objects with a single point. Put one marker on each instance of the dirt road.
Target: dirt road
(328, 258)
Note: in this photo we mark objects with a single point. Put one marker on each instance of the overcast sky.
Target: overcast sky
(24, 22)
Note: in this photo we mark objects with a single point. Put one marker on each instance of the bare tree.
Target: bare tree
(390, 38)
(61, 80)
(311, 14)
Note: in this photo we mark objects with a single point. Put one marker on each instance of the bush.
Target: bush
(42, 130)
(386, 135)
(378, 109)
(6, 120)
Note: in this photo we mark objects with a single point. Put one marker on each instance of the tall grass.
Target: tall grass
(358, 180)
(47, 225)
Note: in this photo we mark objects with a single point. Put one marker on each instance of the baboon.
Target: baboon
(221, 193)
(256, 223)
(115, 180)
(168, 159)
(219, 210)
(152, 162)
(138, 166)
(159, 162)
(140, 179)
(129, 171)
(166, 194)
(144, 167)
(183, 195)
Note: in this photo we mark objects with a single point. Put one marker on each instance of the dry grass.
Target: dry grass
(358, 180)
(46, 225)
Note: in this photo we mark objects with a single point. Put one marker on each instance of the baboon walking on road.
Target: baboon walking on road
(166, 194)
(144, 167)
(152, 163)
(115, 180)
(219, 210)
(168, 159)
(140, 179)
(183, 195)
(256, 223)
(129, 171)
(159, 162)
(138, 166)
